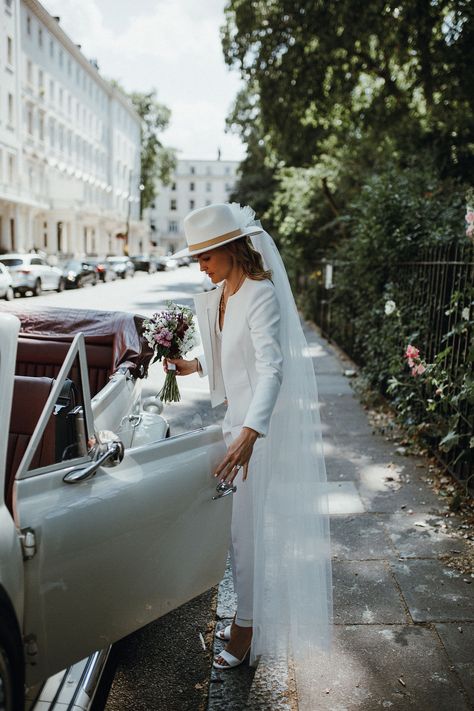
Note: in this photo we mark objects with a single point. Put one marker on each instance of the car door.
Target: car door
(110, 552)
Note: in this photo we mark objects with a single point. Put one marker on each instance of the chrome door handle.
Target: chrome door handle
(113, 455)
(223, 489)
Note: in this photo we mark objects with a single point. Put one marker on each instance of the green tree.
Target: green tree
(157, 161)
(354, 72)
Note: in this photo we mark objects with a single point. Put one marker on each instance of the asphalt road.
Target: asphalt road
(163, 667)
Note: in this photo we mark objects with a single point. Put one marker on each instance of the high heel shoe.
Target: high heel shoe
(230, 659)
(224, 633)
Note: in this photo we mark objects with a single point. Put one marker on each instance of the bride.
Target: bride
(256, 358)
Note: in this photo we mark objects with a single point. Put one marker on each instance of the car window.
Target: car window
(12, 262)
(37, 261)
(62, 435)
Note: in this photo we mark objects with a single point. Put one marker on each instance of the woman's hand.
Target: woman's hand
(183, 366)
(238, 455)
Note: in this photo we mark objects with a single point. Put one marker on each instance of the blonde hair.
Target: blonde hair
(249, 259)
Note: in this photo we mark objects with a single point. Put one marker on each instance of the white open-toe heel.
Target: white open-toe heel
(224, 633)
(230, 659)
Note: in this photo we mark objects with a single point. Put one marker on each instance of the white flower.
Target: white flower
(465, 313)
(390, 307)
(244, 216)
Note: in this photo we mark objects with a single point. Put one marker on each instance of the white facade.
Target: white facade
(69, 144)
(196, 183)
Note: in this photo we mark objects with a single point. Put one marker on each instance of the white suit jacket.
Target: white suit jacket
(246, 367)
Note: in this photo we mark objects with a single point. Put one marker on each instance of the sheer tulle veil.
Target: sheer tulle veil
(292, 574)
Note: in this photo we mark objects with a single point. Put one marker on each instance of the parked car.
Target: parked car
(31, 272)
(6, 284)
(184, 261)
(122, 266)
(103, 269)
(161, 263)
(78, 273)
(144, 263)
(106, 522)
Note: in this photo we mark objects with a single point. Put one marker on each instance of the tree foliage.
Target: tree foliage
(156, 161)
(351, 71)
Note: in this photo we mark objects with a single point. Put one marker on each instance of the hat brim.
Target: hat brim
(194, 253)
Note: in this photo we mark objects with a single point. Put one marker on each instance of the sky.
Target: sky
(171, 45)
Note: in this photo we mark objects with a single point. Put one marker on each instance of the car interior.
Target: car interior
(41, 352)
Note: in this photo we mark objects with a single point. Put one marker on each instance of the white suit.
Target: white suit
(244, 365)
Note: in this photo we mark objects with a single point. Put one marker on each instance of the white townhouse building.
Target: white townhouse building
(195, 183)
(69, 144)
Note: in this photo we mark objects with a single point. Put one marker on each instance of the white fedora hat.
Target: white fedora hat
(210, 227)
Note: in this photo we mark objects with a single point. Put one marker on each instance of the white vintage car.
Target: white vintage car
(106, 522)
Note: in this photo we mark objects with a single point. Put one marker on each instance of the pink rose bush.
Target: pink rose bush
(171, 334)
(414, 361)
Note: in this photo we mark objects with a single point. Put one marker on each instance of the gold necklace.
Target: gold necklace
(222, 303)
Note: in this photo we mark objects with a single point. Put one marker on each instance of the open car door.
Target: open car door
(110, 548)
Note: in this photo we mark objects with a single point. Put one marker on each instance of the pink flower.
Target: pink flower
(164, 337)
(418, 369)
(470, 216)
(411, 352)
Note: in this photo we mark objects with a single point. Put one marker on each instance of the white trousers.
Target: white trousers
(242, 536)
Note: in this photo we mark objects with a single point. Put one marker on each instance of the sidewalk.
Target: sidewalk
(404, 632)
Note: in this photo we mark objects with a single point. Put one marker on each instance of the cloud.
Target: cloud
(173, 45)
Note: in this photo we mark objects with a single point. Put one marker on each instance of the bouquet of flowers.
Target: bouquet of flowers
(171, 334)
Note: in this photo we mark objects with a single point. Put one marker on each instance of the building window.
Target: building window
(173, 186)
(191, 187)
(61, 57)
(227, 170)
(10, 109)
(208, 202)
(9, 51)
(30, 120)
(40, 80)
(51, 49)
(208, 187)
(172, 226)
(61, 95)
(28, 24)
(11, 168)
(192, 170)
(172, 204)
(228, 187)
(208, 170)
(40, 37)
(29, 72)
(51, 90)
(41, 126)
(191, 204)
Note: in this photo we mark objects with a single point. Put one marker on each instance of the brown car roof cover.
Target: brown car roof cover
(122, 330)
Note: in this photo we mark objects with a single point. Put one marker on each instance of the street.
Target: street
(163, 666)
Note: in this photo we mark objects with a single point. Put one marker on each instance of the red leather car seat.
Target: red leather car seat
(29, 398)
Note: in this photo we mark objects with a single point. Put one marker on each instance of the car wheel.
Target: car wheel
(9, 296)
(11, 672)
(61, 286)
(124, 275)
(37, 288)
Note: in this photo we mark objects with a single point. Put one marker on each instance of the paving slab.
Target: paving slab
(366, 593)
(343, 414)
(458, 640)
(361, 537)
(423, 535)
(434, 592)
(333, 386)
(343, 498)
(376, 667)
(383, 489)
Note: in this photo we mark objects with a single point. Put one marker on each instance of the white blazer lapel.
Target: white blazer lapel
(207, 305)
